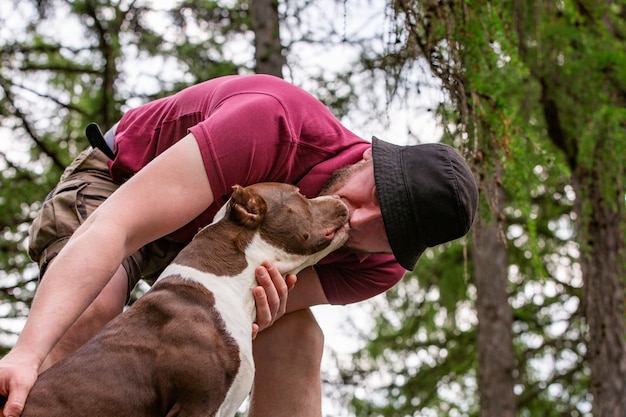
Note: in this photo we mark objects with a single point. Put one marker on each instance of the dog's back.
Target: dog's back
(146, 362)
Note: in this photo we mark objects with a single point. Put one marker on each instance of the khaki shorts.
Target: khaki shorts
(84, 185)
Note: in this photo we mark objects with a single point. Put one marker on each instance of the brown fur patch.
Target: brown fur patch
(217, 249)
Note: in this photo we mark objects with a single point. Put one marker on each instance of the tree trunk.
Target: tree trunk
(265, 24)
(600, 216)
(602, 264)
(495, 345)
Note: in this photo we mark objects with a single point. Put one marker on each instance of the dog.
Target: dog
(185, 347)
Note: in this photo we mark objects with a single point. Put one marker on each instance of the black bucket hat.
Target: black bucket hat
(427, 196)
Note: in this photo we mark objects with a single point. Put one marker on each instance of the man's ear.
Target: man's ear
(367, 154)
(246, 207)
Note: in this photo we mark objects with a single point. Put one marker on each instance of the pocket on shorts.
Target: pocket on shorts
(58, 218)
(84, 185)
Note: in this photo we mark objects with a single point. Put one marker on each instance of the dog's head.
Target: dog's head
(290, 230)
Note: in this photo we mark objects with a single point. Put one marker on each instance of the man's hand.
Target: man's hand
(17, 377)
(270, 296)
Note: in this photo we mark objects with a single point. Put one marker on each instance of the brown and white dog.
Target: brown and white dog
(185, 347)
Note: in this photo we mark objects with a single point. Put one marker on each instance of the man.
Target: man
(110, 223)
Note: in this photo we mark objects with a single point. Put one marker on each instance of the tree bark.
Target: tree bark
(495, 344)
(602, 265)
(268, 48)
(602, 258)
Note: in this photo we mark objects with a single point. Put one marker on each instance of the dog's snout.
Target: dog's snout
(340, 215)
(331, 206)
(341, 209)
(336, 218)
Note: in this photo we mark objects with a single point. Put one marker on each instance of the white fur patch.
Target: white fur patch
(235, 303)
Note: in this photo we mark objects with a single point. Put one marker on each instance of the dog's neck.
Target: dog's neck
(223, 257)
(217, 249)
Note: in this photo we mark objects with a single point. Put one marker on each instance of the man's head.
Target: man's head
(403, 199)
(427, 196)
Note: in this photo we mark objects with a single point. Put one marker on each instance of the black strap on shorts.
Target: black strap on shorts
(99, 141)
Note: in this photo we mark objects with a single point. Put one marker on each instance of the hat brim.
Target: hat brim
(395, 204)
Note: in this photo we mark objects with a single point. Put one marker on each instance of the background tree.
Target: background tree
(575, 53)
(268, 48)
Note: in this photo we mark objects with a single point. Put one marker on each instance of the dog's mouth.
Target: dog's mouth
(339, 233)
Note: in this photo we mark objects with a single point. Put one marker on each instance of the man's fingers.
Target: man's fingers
(17, 377)
(263, 312)
(277, 291)
(255, 330)
(271, 295)
(14, 403)
(291, 280)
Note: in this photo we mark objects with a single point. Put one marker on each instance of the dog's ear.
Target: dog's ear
(246, 207)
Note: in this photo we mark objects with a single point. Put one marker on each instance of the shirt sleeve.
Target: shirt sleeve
(348, 278)
(246, 139)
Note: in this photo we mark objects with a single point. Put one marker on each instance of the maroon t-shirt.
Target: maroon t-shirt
(254, 129)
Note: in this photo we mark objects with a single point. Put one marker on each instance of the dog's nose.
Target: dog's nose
(342, 217)
(343, 207)
(333, 202)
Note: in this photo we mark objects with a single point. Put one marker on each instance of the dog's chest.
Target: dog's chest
(233, 297)
(235, 304)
